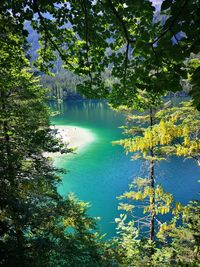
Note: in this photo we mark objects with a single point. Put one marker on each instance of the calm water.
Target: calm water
(101, 172)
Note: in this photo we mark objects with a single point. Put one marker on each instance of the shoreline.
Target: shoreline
(75, 136)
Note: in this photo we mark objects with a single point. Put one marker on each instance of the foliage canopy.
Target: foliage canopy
(144, 49)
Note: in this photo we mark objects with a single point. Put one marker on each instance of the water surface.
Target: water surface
(101, 171)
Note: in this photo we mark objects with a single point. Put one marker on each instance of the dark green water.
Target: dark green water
(101, 171)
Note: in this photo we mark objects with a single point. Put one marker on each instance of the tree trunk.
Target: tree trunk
(152, 185)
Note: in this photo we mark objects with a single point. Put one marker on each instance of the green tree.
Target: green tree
(91, 36)
(38, 226)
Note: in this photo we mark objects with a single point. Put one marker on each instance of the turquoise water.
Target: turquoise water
(101, 172)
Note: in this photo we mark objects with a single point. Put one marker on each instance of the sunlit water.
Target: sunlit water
(101, 172)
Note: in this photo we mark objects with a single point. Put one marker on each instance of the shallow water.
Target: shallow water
(101, 172)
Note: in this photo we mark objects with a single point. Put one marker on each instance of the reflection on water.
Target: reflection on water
(88, 112)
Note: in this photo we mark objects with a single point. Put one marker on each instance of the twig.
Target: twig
(126, 64)
(87, 39)
(48, 34)
(172, 23)
(121, 22)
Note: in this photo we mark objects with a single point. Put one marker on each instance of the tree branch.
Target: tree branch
(172, 23)
(126, 64)
(121, 22)
(84, 4)
(48, 34)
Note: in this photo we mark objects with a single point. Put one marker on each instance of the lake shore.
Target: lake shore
(73, 136)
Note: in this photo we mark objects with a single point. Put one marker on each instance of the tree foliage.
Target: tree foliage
(146, 57)
(38, 227)
(142, 51)
(174, 131)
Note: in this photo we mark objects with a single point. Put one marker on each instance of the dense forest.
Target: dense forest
(133, 54)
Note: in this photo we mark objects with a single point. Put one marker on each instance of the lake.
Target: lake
(101, 172)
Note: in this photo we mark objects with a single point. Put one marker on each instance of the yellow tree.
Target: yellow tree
(162, 132)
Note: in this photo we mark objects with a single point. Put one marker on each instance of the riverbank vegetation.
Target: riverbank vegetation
(132, 53)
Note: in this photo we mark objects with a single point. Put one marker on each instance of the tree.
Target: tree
(144, 145)
(144, 56)
(91, 36)
(178, 245)
(183, 250)
(163, 132)
(38, 226)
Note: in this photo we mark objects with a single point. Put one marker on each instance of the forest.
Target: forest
(141, 60)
